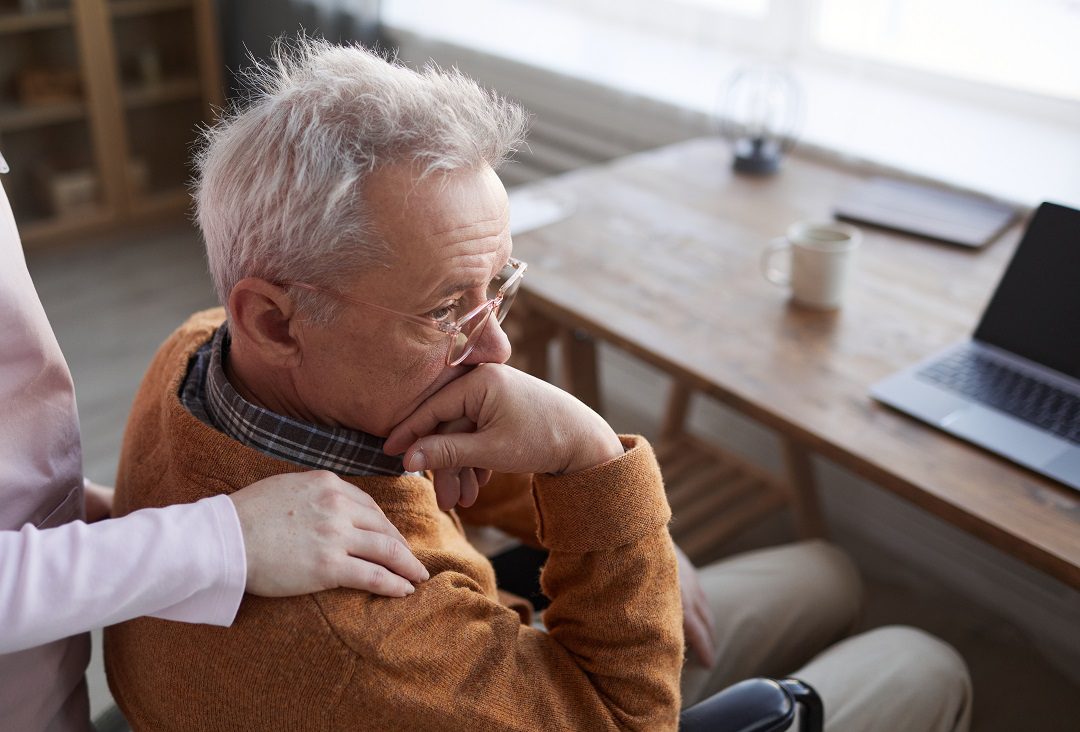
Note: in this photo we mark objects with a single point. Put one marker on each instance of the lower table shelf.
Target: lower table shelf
(714, 494)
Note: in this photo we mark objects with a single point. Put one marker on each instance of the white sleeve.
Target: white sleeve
(183, 562)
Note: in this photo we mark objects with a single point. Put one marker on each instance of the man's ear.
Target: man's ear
(263, 317)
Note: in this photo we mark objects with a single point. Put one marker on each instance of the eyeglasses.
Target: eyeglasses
(468, 330)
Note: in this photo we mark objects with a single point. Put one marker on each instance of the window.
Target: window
(745, 8)
(925, 87)
(1028, 45)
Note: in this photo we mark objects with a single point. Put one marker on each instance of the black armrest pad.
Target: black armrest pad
(754, 705)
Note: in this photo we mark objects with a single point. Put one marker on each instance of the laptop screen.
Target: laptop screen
(1035, 311)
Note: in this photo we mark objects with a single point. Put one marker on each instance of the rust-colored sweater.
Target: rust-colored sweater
(450, 656)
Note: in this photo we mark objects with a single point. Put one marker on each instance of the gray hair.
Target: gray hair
(279, 179)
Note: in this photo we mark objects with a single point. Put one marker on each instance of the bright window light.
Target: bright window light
(745, 8)
(1029, 45)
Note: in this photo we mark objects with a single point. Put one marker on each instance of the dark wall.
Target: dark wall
(250, 26)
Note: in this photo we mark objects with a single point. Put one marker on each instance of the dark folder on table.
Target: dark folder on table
(949, 216)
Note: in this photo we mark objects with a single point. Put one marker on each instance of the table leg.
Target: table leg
(678, 404)
(805, 506)
(579, 367)
(530, 333)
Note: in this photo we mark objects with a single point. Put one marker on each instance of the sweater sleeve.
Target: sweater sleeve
(183, 562)
(612, 655)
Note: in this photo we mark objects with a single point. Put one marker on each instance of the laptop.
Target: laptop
(1014, 387)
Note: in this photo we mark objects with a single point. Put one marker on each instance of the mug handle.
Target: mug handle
(772, 274)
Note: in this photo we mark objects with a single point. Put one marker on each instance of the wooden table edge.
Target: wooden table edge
(1042, 559)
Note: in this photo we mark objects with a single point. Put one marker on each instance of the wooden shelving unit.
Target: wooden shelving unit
(19, 21)
(129, 8)
(99, 105)
(173, 90)
(14, 118)
(61, 226)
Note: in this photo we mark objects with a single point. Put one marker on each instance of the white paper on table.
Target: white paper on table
(530, 209)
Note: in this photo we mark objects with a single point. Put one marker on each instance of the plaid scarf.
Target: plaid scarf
(208, 395)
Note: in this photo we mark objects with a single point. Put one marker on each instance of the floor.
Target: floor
(112, 300)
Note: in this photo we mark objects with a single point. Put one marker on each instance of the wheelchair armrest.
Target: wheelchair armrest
(754, 705)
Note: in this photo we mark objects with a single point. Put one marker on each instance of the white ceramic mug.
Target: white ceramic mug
(820, 261)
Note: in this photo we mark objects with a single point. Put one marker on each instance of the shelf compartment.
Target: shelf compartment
(170, 90)
(132, 8)
(160, 138)
(62, 227)
(163, 202)
(15, 118)
(714, 494)
(18, 22)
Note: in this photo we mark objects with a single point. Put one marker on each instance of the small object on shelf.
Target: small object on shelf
(150, 66)
(138, 175)
(68, 193)
(760, 113)
(36, 6)
(37, 87)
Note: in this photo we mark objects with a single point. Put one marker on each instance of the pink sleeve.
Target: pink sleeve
(184, 562)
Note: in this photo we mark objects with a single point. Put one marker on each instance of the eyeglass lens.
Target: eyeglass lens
(473, 330)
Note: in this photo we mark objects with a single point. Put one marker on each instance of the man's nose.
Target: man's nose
(493, 346)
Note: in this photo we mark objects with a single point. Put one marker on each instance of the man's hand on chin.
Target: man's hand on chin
(496, 418)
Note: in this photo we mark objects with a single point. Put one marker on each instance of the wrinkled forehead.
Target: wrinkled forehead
(444, 230)
(459, 201)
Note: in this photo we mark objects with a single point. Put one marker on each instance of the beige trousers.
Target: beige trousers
(786, 611)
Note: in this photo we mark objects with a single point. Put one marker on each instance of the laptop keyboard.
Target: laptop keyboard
(996, 385)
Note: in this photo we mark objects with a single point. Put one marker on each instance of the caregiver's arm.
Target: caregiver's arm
(286, 535)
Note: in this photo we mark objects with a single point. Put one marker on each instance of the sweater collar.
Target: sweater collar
(207, 393)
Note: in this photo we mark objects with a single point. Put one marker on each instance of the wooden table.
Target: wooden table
(661, 258)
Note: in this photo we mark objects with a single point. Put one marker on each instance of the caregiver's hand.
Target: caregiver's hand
(306, 532)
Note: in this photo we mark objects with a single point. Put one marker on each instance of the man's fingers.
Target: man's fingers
(447, 488)
(482, 477)
(470, 489)
(446, 405)
(461, 450)
(393, 555)
(363, 575)
(461, 424)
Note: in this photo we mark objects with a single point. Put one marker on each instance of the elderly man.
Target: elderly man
(359, 237)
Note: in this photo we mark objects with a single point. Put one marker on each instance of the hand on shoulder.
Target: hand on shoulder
(312, 531)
